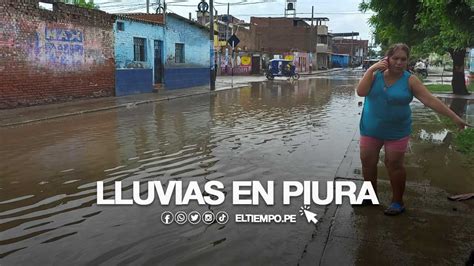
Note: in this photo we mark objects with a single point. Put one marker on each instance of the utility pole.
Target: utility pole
(226, 38)
(233, 60)
(227, 26)
(311, 40)
(211, 38)
(316, 46)
(148, 6)
(352, 49)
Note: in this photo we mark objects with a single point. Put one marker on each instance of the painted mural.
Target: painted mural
(64, 48)
(301, 60)
(243, 65)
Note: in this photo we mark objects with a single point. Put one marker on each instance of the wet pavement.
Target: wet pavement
(19, 116)
(280, 130)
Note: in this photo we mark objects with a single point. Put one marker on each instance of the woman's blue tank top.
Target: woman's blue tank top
(387, 114)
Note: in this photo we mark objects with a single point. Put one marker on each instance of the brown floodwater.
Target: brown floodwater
(277, 131)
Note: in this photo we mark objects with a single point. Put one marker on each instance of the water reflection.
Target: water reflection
(432, 157)
(434, 171)
(270, 131)
(462, 107)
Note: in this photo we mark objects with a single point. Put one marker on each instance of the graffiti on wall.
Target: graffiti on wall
(60, 47)
(63, 47)
(245, 61)
(301, 60)
(243, 65)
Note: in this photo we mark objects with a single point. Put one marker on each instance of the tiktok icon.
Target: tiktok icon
(194, 217)
(222, 217)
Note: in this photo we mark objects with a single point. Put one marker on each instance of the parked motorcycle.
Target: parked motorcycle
(422, 72)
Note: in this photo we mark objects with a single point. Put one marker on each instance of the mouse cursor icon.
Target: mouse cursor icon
(310, 216)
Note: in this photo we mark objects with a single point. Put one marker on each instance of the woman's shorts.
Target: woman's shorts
(398, 145)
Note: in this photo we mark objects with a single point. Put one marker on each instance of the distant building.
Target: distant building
(224, 24)
(340, 60)
(280, 34)
(356, 49)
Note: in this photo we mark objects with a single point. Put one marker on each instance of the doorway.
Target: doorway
(158, 61)
(255, 65)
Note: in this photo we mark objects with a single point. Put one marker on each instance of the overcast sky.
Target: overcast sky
(344, 15)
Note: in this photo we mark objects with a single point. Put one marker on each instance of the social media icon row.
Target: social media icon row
(194, 217)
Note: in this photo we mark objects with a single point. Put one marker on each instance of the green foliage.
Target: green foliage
(372, 53)
(440, 59)
(85, 4)
(449, 24)
(464, 141)
(394, 21)
(446, 88)
(425, 25)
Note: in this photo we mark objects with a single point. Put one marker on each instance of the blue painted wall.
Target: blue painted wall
(135, 77)
(177, 78)
(339, 60)
(133, 81)
(124, 41)
(195, 70)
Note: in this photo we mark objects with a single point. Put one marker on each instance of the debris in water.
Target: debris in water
(461, 197)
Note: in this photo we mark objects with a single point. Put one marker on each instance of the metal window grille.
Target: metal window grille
(139, 49)
(179, 53)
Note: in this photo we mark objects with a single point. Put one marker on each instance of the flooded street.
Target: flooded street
(276, 130)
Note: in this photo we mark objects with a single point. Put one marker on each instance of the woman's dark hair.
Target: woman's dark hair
(398, 46)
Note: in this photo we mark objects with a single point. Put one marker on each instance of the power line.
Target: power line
(137, 7)
(113, 6)
(225, 4)
(305, 13)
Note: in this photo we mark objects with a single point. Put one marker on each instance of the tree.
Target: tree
(392, 23)
(427, 26)
(82, 3)
(372, 53)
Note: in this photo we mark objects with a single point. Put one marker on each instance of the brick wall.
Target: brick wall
(49, 56)
(247, 38)
(278, 35)
(345, 46)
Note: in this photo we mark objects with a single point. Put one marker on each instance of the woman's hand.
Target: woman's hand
(381, 65)
(461, 124)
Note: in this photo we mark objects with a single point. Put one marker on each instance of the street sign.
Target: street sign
(233, 41)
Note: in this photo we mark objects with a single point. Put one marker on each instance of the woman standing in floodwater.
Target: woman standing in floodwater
(388, 89)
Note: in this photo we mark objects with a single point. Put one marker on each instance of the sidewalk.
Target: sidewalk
(433, 231)
(18, 116)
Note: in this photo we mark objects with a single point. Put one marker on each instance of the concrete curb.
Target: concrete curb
(321, 72)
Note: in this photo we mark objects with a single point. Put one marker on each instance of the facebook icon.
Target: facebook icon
(167, 217)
